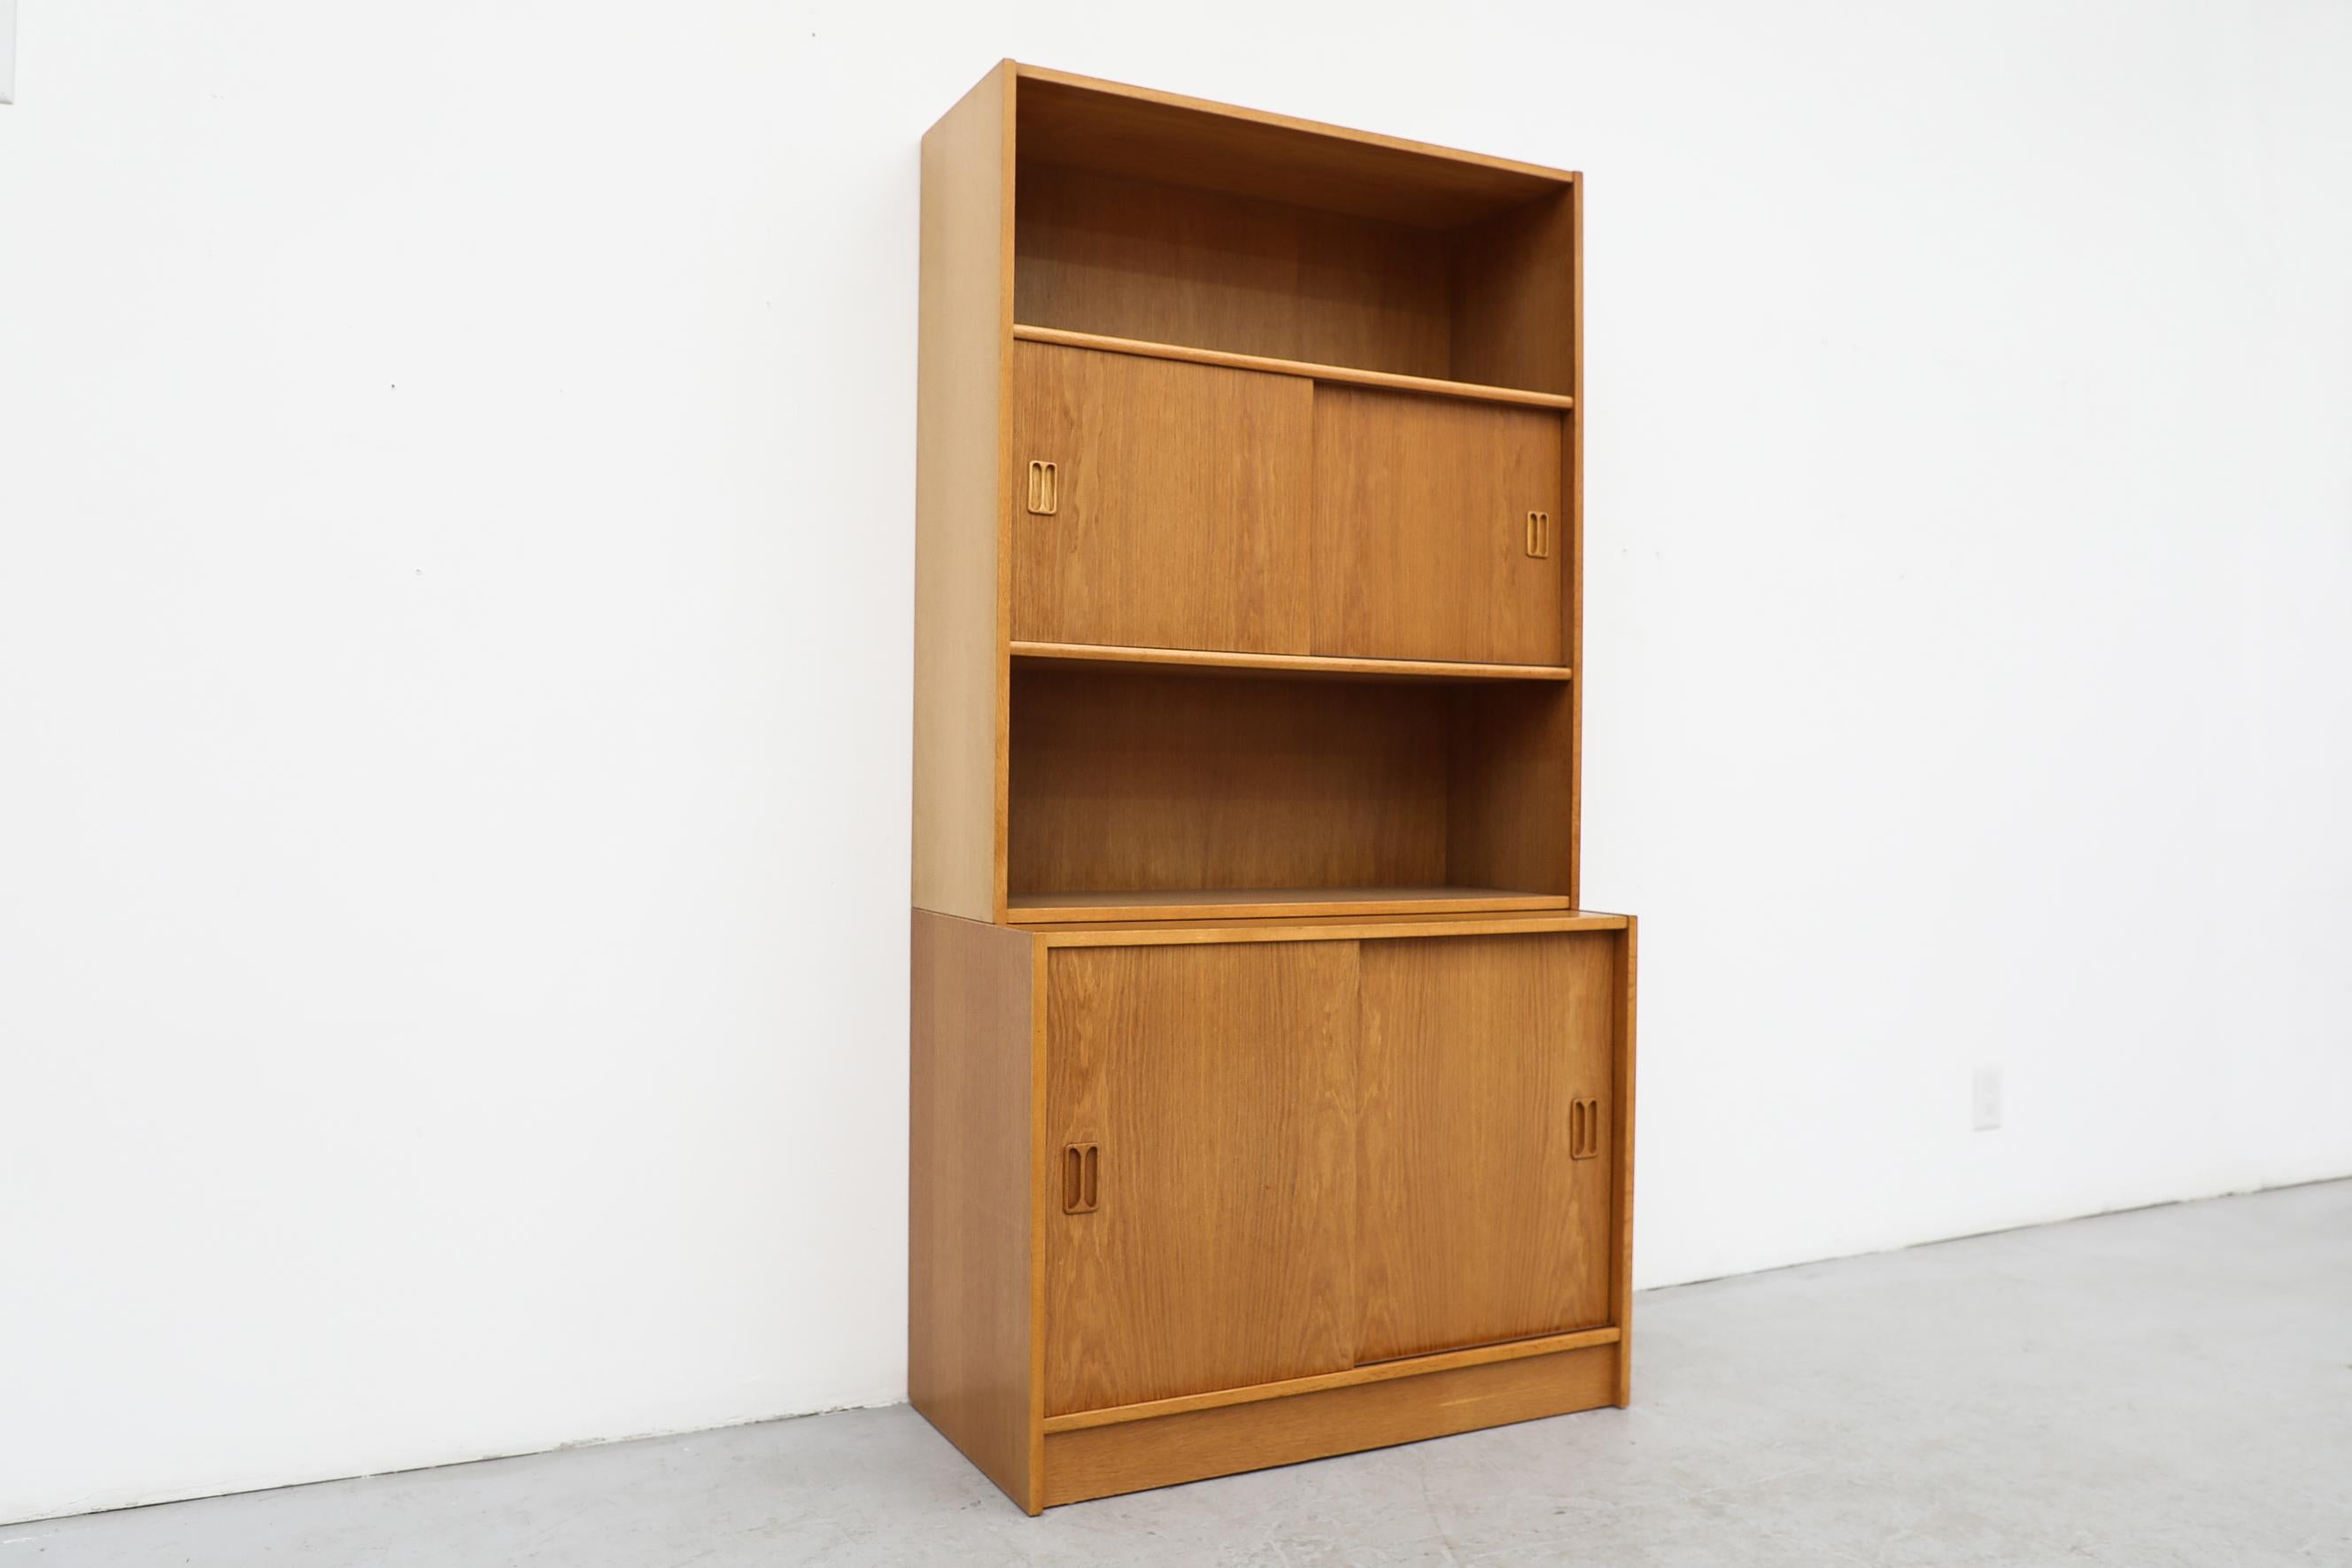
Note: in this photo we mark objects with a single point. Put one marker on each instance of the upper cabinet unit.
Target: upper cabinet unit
(1248, 515)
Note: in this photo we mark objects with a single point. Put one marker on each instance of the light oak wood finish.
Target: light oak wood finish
(1218, 1085)
(1374, 1372)
(1477, 1221)
(1130, 1456)
(1344, 374)
(1144, 782)
(970, 1323)
(1510, 766)
(1041, 908)
(1352, 926)
(1103, 656)
(963, 389)
(1153, 782)
(1575, 482)
(1514, 299)
(1275, 1098)
(1421, 529)
(1137, 133)
(1622, 1075)
(1130, 260)
(1181, 514)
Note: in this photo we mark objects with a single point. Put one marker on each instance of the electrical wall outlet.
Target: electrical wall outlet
(1987, 1100)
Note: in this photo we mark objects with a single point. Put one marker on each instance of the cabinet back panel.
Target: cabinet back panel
(1130, 259)
(1157, 781)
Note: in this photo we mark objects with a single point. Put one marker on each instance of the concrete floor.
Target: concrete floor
(2168, 1387)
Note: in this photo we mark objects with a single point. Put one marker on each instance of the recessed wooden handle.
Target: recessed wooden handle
(1583, 1129)
(1081, 1177)
(1539, 535)
(1044, 488)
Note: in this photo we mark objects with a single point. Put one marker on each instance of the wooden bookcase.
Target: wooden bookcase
(1272, 1095)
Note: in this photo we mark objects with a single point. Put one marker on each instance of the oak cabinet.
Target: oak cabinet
(1272, 1091)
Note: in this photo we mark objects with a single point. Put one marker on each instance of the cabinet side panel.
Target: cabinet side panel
(959, 505)
(1515, 299)
(1511, 788)
(968, 1364)
(1622, 1282)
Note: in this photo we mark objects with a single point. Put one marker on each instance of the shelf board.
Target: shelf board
(1347, 373)
(1269, 903)
(1291, 663)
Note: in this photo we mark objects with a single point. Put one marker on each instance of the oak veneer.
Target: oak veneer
(969, 1204)
(1478, 1219)
(1368, 1372)
(1146, 783)
(1272, 1098)
(1337, 668)
(1210, 904)
(1181, 505)
(962, 386)
(1410, 560)
(1126, 260)
(1206, 1078)
(1310, 370)
(1355, 926)
(1079, 122)
(1100, 1461)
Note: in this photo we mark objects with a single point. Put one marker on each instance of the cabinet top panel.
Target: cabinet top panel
(1108, 128)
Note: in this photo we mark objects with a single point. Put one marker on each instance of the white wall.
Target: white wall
(456, 464)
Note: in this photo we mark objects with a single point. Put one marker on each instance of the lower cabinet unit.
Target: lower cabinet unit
(1219, 1197)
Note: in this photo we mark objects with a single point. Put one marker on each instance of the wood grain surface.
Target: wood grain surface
(1421, 528)
(1182, 512)
(969, 1193)
(1217, 1083)
(1475, 1224)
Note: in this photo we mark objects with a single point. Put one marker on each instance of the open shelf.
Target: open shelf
(1246, 903)
(1082, 654)
(1151, 225)
(1138, 787)
(1110, 128)
(1350, 375)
